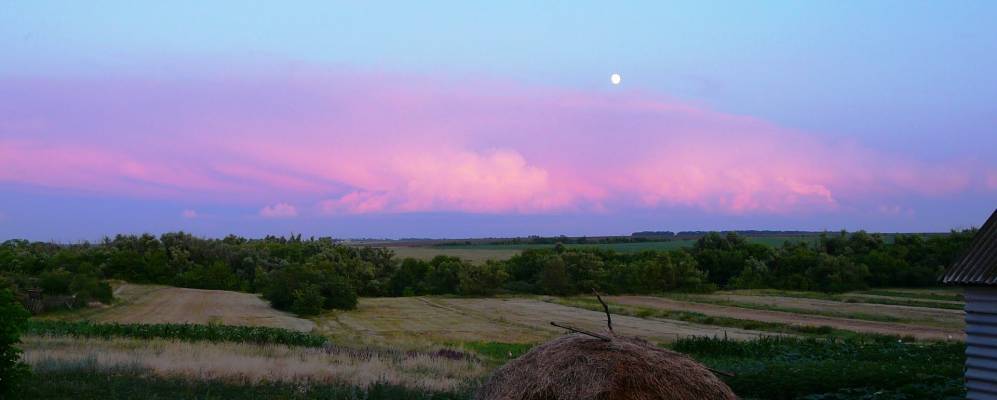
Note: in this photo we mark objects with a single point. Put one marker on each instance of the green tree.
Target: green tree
(13, 318)
(482, 279)
(307, 301)
(554, 278)
(338, 293)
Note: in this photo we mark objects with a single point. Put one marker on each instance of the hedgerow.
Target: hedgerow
(184, 332)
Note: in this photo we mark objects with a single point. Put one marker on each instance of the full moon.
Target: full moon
(615, 79)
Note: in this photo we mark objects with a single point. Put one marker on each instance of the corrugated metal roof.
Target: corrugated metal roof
(979, 265)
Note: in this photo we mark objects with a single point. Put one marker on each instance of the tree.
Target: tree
(12, 370)
(307, 301)
(481, 279)
(755, 275)
(338, 293)
(554, 278)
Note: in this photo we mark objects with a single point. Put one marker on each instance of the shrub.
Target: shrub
(339, 294)
(89, 288)
(308, 301)
(55, 281)
(12, 320)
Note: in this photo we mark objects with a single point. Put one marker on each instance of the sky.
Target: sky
(457, 119)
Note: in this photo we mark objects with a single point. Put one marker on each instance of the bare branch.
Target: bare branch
(609, 318)
(583, 332)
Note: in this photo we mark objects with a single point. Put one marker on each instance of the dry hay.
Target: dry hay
(578, 367)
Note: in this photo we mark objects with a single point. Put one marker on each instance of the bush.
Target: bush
(308, 301)
(89, 288)
(12, 320)
(55, 281)
(339, 294)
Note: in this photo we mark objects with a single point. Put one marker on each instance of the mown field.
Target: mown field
(441, 347)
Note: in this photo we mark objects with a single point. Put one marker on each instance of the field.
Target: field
(439, 344)
(154, 304)
(470, 254)
(483, 251)
(423, 321)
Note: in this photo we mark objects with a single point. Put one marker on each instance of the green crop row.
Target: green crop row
(812, 368)
(184, 332)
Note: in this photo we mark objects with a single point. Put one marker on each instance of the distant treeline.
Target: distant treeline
(308, 275)
(636, 237)
(698, 234)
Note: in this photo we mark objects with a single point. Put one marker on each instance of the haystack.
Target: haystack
(580, 367)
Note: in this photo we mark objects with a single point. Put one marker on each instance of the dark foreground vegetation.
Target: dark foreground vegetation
(89, 384)
(862, 368)
(805, 369)
(309, 275)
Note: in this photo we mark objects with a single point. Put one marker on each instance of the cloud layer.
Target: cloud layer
(343, 143)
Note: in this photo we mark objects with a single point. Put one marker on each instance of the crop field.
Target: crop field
(470, 254)
(442, 345)
(153, 304)
(481, 252)
(423, 321)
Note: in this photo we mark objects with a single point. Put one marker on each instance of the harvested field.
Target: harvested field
(855, 325)
(150, 304)
(871, 311)
(252, 363)
(417, 322)
(421, 321)
(530, 312)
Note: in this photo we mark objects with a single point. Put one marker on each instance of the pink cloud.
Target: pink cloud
(279, 210)
(354, 144)
(188, 214)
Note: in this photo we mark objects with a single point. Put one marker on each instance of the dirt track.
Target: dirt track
(918, 331)
(161, 304)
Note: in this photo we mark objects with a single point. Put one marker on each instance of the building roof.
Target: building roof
(979, 265)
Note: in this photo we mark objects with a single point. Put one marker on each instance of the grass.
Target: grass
(498, 351)
(184, 332)
(864, 367)
(698, 318)
(933, 294)
(88, 384)
(794, 310)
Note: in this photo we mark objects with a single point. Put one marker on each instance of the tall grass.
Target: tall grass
(83, 384)
(244, 362)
